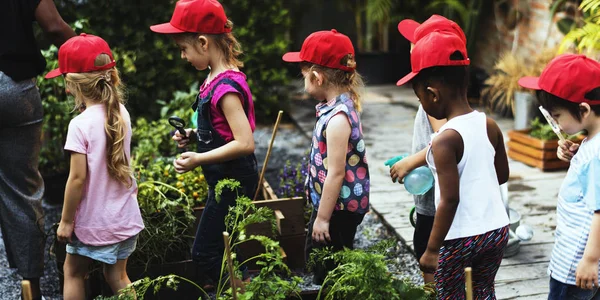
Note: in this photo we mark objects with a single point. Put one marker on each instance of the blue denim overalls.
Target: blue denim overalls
(208, 247)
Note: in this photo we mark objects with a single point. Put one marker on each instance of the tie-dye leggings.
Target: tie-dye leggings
(483, 253)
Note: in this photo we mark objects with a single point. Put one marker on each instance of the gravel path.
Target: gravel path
(10, 281)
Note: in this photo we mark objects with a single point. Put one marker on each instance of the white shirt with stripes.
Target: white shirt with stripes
(578, 198)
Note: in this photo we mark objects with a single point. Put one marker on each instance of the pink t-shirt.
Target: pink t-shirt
(108, 212)
(218, 119)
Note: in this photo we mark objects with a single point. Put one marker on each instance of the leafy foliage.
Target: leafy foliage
(155, 69)
(585, 36)
(291, 179)
(363, 274)
(503, 83)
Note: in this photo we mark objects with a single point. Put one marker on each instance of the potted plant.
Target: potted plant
(505, 96)
(537, 146)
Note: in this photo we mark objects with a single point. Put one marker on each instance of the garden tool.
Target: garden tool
(179, 124)
(264, 167)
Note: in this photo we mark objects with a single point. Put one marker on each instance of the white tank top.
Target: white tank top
(480, 207)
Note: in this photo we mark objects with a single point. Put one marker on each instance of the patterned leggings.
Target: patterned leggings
(483, 253)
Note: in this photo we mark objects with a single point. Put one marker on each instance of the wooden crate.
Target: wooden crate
(535, 152)
(289, 215)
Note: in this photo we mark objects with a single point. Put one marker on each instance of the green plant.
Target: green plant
(503, 83)
(266, 285)
(585, 35)
(364, 274)
(156, 69)
(467, 11)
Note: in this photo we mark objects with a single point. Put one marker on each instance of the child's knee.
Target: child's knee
(74, 271)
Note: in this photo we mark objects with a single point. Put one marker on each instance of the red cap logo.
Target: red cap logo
(434, 50)
(324, 48)
(413, 31)
(568, 76)
(200, 16)
(78, 54)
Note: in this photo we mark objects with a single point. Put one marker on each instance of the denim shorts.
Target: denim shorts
(108, 254)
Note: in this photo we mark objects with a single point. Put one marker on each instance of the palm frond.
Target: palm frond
(454, 5)
(378, 10)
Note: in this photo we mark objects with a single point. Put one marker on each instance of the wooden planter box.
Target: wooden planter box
(289, 214)
(535, 152)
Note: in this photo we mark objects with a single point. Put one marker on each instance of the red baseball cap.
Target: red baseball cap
(568, 76)
(324, 48)
(201, 16)
(78, 54)
(434, 50)
(413, 31)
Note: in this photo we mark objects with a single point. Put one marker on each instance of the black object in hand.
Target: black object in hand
(178, 123)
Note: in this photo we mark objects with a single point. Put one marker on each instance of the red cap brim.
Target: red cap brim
(406, 78)
(407, 28)
(53, 73)
(292, 57)
(165, 28)
(530, 82)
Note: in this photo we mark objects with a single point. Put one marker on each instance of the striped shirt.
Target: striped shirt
(578, 198)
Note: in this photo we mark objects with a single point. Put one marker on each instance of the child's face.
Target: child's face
(194, 54)
(566, 121)
(313, 84)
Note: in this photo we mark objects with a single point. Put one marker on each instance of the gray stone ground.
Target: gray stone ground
(10, 281)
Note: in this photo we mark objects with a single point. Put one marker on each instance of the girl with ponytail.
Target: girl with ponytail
(100, 218)
(338, 183)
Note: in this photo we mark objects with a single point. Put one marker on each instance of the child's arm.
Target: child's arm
(73, 194)
(338, 134)
(447, 148)
(586, 276)
(500, 159)
(241, 145)
(400, 169)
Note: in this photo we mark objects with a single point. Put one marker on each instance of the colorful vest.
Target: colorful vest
(354, 194)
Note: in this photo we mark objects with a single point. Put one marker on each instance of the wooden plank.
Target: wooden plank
(522, 272)
(518, 289)
(531, 151)
(541, 164)
(523, 137)
(530, 253)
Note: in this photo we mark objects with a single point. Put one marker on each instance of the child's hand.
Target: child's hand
(64, 231)
(566, 149)
(186, 162)
(586, 276)
(399, 170)
(429, 262)
(321, 231)
(180, 139)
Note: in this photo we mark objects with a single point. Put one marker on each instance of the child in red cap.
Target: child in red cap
(424, 127)
(338, 183)
(468, 160)
(100, 218)
(225, 123)
(570, 90)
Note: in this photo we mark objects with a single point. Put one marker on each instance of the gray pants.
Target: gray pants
(21, 185)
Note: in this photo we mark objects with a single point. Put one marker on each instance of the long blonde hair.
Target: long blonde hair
(105, 87)
(352, 82)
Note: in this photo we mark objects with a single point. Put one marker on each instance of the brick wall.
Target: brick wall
(532, 31)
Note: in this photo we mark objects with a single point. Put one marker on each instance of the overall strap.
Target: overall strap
(230, 82)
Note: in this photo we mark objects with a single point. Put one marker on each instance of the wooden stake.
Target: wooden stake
(230, 265)
(264, 167)
(26, 289)
(469, 283)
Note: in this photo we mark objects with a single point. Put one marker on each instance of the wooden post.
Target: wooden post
(230, 265)
(26, 289)
(469, 283)
(264, 167)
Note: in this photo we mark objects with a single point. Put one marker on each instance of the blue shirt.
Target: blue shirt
(354, 193)
(578, 198)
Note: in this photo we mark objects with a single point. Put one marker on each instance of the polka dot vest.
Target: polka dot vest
(354, 194)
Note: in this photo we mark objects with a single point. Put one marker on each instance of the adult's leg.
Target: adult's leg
(21, 185)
